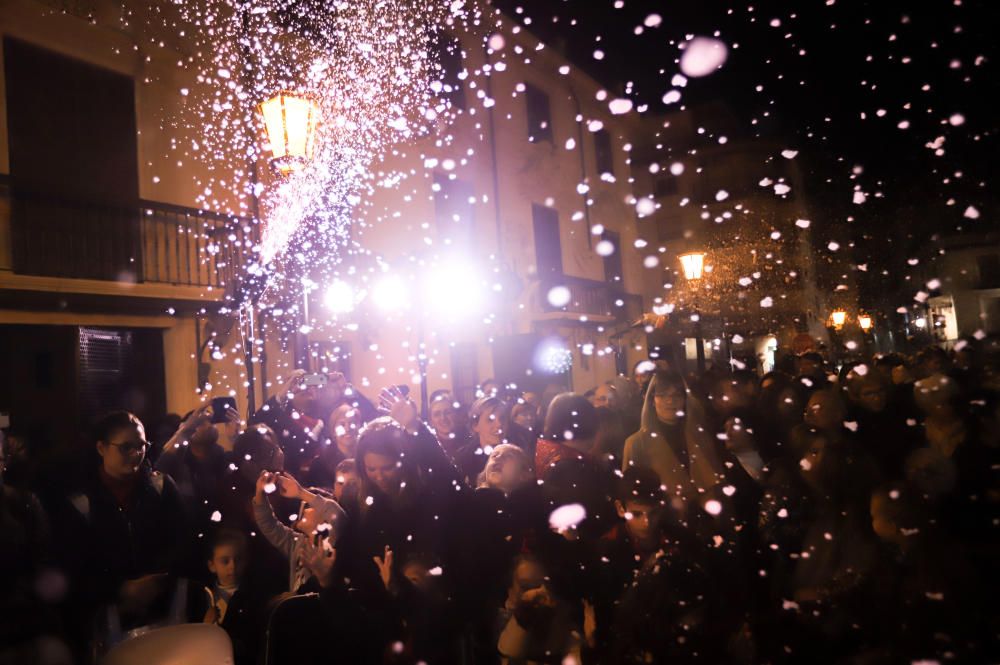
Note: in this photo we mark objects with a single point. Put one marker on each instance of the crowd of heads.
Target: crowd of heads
(813, 514)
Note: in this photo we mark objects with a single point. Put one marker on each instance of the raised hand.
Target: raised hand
(289, 386)
(266, 483)
(318, 557)
(287, 486)
(385, 566)
(398, 406)
(196, 418)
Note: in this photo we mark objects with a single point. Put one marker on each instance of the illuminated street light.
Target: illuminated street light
(389, 294)
(865, 322)
(339, 297)
(453, 289)
(693, 264)
(920, 323)
(290, 123)
(838, 318)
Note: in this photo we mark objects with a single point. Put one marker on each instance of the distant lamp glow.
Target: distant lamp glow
(454, 289)
(865, 322)
(920, 323)
(693, 264)
(339, 297)
(838, 318)
(290, 122)
(389, 294)
(553, 357)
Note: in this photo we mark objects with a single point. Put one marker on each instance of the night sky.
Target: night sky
(821, 64)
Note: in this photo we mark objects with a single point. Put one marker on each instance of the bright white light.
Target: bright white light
(389, 294)
(454, 289)
(920, 323)
(605, 248)
(553, 357)
(339, 297)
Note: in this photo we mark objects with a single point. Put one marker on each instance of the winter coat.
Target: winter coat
(647, 448)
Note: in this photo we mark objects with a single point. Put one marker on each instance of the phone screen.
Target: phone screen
(219, 407)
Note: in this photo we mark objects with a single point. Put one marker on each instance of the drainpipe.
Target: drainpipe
(493, 157)
(583, 161)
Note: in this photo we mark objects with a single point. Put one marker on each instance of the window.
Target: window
(602, 152)
(539, 114)
(665, 187)
(548, 247)
(989, 271)
(613, 262)
(453, 209)
(449, 63)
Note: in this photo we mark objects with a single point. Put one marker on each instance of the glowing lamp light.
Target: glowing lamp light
(339, 297)
(290, 122)
(839, 318)
(865, 322)
(693, 264)
(920, 323)
(453, 289)
(390, 294)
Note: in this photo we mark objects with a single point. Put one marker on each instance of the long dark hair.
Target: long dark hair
(384, 436)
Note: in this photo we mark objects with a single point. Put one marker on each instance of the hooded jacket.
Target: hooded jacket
(648, 448)
(292, 543)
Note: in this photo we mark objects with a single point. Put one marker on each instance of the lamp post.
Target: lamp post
(838, 318)
(289, 121)
(693, 264)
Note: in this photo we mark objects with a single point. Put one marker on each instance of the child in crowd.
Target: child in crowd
(229, 600)
(318, 513)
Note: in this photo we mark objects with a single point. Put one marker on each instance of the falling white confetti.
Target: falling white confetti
(567, 517)
(702, 56)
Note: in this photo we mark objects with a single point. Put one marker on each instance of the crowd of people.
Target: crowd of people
(808, 515)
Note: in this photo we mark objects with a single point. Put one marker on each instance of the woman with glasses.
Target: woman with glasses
(123, 537)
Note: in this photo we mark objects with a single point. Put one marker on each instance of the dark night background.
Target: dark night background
(815, 101)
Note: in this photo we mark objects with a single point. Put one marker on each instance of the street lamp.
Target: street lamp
(838, 318)
(865, 322)
(290, 122)
(693, 264)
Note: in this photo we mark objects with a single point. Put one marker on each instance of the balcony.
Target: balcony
(598, 301)
(152, 250)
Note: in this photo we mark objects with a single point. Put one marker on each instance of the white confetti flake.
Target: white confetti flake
(702, 56)
(721, 195)
(672, 97)
(956, 120)
(567, 517)
(559, 296)
(767, 302)
(971, 212)
(216, 516)
(653, 21)
(713, 507)
(677, 168)
(802, 223)
(789, 154)
(645, 206)
(620, 106)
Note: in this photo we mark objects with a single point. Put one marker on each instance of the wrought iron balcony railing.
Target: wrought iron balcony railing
(151, 243)
(594, 298)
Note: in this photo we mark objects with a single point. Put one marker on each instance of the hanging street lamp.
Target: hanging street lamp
(693, 264)
(290, 123)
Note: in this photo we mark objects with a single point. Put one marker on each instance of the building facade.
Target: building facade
(116, 290)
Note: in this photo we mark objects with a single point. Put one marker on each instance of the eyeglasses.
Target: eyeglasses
(129, 448)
